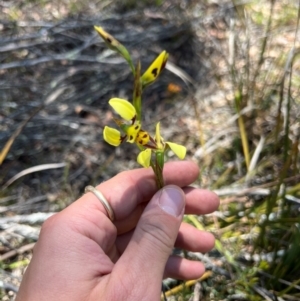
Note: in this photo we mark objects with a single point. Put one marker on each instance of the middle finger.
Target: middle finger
(198, 201)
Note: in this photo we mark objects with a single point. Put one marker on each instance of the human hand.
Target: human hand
(82, 255)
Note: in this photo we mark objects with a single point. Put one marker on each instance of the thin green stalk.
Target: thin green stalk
(137, 92)
(158, 175)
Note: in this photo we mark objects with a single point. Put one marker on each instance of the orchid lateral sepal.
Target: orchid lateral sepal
(177, 149)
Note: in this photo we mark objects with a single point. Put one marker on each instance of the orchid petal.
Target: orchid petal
(112, 136)
(155, 69)
(179, 150)
(123, 107)
(144, 157)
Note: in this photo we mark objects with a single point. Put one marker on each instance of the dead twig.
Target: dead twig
(15, 252)
(32, 170)
(34, 218)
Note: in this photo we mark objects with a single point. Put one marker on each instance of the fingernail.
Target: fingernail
(172, 200)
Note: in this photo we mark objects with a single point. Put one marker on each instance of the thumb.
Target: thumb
(153, 240)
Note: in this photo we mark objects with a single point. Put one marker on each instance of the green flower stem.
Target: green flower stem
(157, 167)
(137, 92)
(158, 175)
(158, 171)
(160, 159)
(124, 52)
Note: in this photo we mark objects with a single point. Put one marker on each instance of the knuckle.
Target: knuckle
(158, 234)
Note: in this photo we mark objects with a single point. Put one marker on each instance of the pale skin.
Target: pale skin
(82, 255)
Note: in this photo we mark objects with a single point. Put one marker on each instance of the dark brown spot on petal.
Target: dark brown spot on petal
(108, 40)
(140, 141)
(154, 72)
(145, 136)
(130, 137)
(136, 127)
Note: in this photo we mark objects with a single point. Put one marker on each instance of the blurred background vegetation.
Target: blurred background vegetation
(230, 93)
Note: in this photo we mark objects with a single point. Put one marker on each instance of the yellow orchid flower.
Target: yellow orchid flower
(133, 131)
(144, 157)
(134, 134)
(155, 69)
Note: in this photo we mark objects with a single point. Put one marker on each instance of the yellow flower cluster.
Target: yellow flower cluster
(133, 133)
(131, 128)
